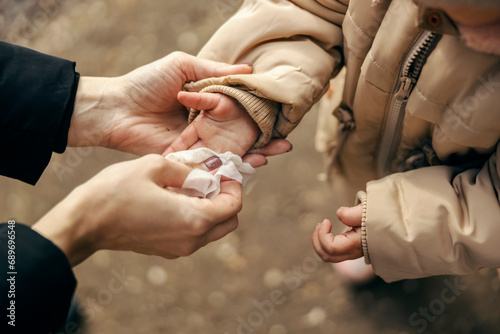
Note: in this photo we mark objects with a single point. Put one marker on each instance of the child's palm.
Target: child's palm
(222, 125)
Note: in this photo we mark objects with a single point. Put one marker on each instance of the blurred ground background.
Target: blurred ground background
(264, 277)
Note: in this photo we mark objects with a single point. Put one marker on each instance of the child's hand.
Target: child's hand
(346, 246)
(222, 125)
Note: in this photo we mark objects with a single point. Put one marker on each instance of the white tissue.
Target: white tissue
(201, 183)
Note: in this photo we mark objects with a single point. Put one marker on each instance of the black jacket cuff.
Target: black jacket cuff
(36, 282)
(37, 95)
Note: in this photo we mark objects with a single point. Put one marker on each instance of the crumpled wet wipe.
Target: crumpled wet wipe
(201, 183)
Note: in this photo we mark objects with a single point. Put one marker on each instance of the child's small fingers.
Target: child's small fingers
(341, 244)
(199, 101)
(315, 233)
(274, 147)
(350, 216)
(256, 160)
(315, 237)
(327, 241)
(326, 226)
(348, 245)
(317, 245)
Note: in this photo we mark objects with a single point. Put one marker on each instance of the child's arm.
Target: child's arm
(295, 48)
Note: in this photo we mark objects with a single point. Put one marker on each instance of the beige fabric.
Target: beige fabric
(285, 53)
(435, 220)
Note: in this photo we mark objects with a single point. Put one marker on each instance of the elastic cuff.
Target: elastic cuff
(262, 111)
(364, 239)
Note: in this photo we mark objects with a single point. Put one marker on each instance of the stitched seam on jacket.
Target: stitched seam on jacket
(374, 85)
(378, 65)
(357, 26)
(425, 98)
(452, 112)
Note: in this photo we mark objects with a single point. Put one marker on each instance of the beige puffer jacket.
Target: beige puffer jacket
(411, 99)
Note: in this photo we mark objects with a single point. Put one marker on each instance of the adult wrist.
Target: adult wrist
(95, 99)
(68, 226)
(61, 140)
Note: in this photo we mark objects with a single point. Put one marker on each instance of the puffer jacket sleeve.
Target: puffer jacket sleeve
(295, 49)
(433, 221)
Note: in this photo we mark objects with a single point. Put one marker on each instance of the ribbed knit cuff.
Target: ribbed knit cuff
(262, 111)
(361, 196)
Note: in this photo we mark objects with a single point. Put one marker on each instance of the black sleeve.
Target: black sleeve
(37, 94)
(36, 282)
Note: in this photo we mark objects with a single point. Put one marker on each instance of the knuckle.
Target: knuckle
(178, 55)
(198, 227)
(155, 161)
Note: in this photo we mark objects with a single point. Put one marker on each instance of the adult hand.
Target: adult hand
(346, 246)
(139, 112)
(127, 206)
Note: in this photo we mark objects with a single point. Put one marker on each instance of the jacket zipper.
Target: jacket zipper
(408, 77)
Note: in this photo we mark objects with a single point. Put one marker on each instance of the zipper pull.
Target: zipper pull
(405, 88)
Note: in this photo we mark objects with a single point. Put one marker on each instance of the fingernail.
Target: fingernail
(213, 163)
(248, 64)
(291, 147)
(339, 211)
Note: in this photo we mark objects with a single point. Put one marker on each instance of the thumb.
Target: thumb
(199, 101)
(225, 205)
(168, 173)
(204, 68)
(350, 216)
(232, 188)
